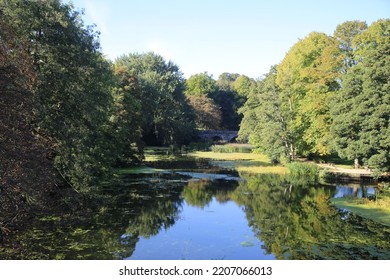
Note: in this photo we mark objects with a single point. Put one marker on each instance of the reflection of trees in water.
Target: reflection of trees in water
(293, 221)
(199, 193)
(301, 224)
(112, 232)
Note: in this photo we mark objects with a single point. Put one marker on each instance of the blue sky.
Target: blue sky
(241, 36)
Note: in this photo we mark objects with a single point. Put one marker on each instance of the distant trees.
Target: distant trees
(225, 95)
(165, 116)
(231, 96)
(200, 90)
(207, 114)
(329, 94)
(267, 120)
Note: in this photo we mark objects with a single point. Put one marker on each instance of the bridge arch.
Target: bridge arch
(233, 140)
(218, 135)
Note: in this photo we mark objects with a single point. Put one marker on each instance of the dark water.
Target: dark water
(196, 211)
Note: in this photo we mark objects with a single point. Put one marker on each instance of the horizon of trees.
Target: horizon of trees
(330, 94)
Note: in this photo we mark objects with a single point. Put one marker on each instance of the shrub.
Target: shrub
(199, 146)
(328, 177)
(231, 148)
(302, 173)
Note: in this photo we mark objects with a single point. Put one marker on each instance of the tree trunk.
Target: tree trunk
(292, 152)
(357, 163)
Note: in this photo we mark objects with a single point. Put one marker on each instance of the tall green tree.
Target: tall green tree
(225, 81)
(73, 94)
(202, 91)
(167, 118)
(16, 67)
(307, 77)
(126, 119)
(344, 36)
(201, 84)
(207, 114)
(266, 119)
(244, 85)
(231, 96)
(361, 111)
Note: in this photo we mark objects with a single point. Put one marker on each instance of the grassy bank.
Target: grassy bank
(378, 211)
(242, 162)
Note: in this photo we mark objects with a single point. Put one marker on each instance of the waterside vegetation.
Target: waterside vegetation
(71, 120)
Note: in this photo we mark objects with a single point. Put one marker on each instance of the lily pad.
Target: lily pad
(247, 244)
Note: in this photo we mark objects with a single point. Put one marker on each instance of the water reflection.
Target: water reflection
(171, 216)
(301, 224)
(357, 191)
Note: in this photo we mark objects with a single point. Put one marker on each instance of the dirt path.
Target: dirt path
(336, 169)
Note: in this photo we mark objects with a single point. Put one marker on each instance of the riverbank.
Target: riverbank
(242, 162)
(256, 163)
(378, 211)
(252, 163)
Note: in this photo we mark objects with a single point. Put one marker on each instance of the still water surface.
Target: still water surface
(198, 211)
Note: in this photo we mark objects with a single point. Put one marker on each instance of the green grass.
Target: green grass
(232, 148)
(378, 211)
(231, 156)
(278, 169)
(138, 170)
(301, 171)
(336, 161)
(250, 163)
(160, 153)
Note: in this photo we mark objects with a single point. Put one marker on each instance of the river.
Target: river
(195, 210)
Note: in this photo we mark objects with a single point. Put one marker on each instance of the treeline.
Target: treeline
(216, 103)
(93, 115)
(329, 95)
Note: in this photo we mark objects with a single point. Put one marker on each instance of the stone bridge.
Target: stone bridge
(218, 135)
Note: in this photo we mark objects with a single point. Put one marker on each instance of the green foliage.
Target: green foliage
(207, 113)
(231, 148)
(229, 102)
(199, 146)
(166, 116)
(228, 93)
(327, 177)
(226, 80)
(201, 84)
(361, 111)
(232, 94)
(307, 77)
(86, 113)
(266, 120)
(74, 87)
(244, 86)
(345, 34)
(126, 119)
(328, 94)
(303, 172)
